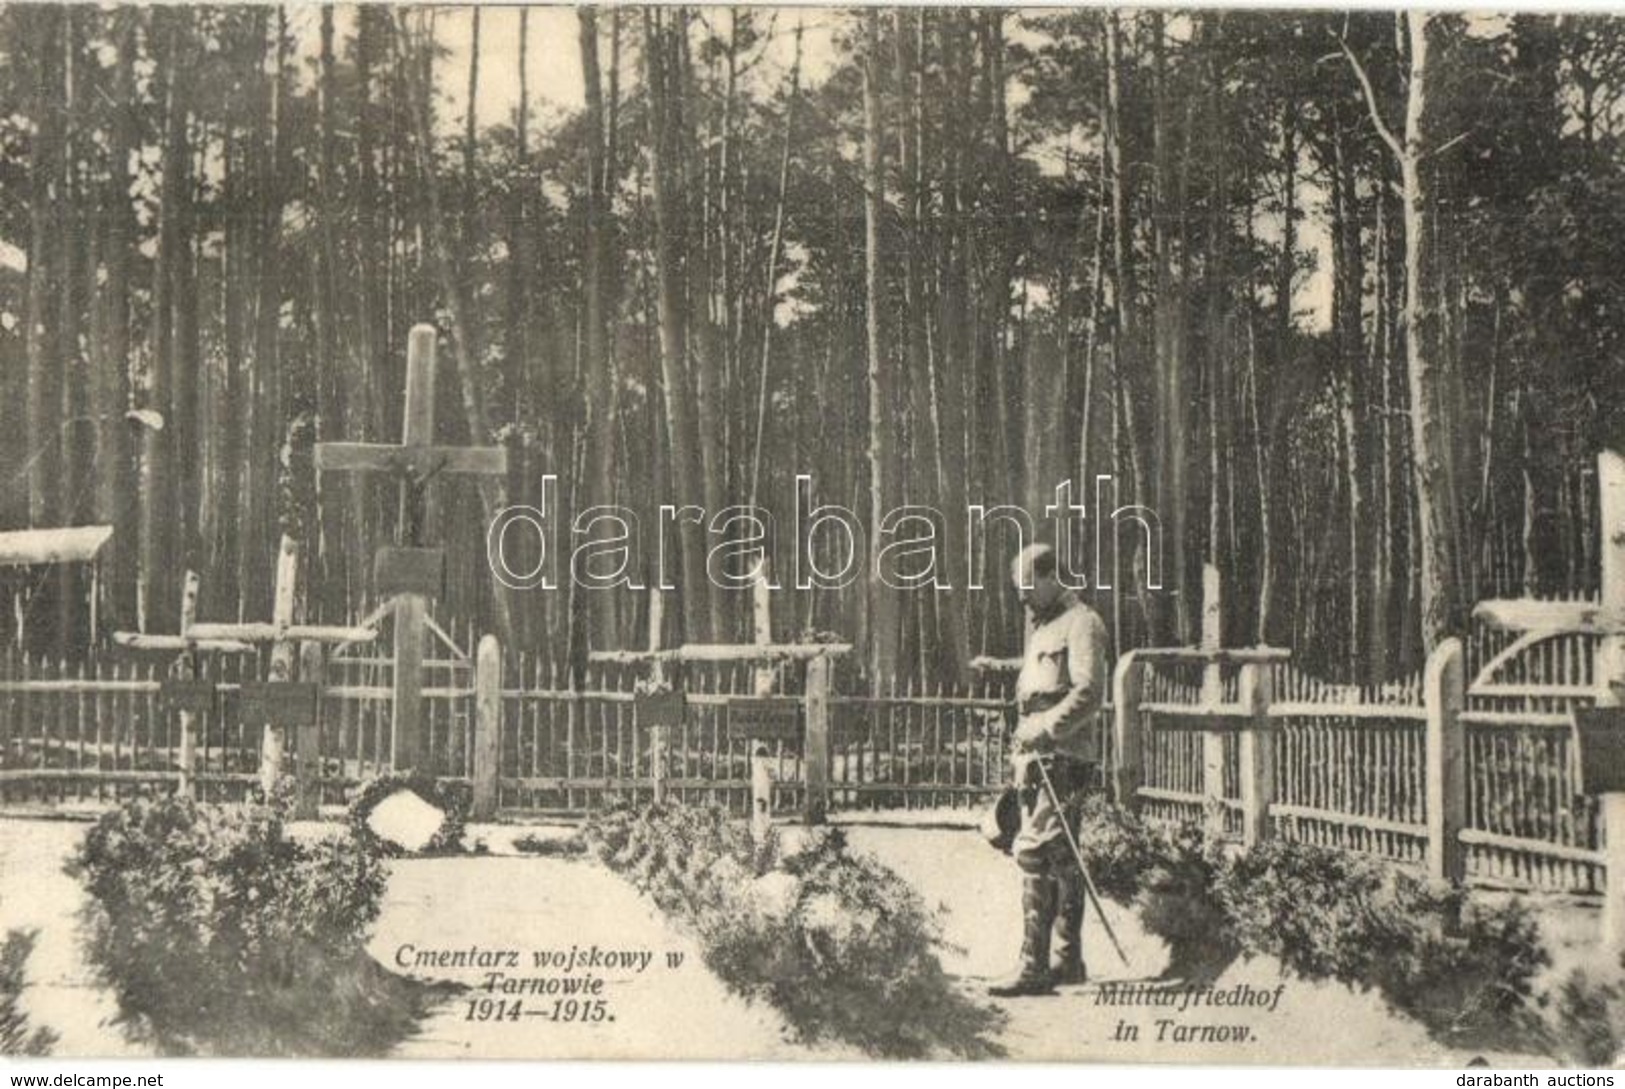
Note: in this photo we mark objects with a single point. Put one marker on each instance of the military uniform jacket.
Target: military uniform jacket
(1062, 684)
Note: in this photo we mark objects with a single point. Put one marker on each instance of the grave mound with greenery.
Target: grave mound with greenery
(17, 1036)
(840, 945)
(1470, 971)
(221, 935)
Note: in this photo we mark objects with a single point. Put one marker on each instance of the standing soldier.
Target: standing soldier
(1058, 694)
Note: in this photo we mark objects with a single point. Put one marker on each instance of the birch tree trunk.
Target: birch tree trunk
(1437, 560)
(1430, 436)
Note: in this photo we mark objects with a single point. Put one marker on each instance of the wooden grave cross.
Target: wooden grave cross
(410, 573)
(184, 690)
(1599, 732)
(657, 703)
(759, 718)
(1248, 717)
(279, 701)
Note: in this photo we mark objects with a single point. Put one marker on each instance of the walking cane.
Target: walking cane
(1077, 854)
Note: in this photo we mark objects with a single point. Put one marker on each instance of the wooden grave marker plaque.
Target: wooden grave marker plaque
(1601, 735)
(401, 570)
(186, 694)
(285, 703)
(662, 708)
(762, 719)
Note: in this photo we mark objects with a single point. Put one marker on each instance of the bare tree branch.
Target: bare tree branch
(1381, 126)
(1448, 144)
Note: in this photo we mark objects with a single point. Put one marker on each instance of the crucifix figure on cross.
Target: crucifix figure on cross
(410, 573)
(1600, 732)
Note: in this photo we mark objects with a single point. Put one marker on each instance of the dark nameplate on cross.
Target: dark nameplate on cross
(763, 719)
(665, 708)
(1601, 735)
(1226, 718)
(398, 570)
(284, 703)
(186, 694)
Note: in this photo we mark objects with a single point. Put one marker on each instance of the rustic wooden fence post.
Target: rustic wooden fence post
(1256, 752)
(1213, 809)
(1443, 694)
(657, 681)
(487, 726)
(1608, 676)
(186, 667)
(308, 736)
(1128, 739)
(815, 754)
(761, 761)
(657, 763)
(761, 792)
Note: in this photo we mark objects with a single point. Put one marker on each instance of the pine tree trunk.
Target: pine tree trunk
(884, 614)
(114, 464)
(598, 377)
(475, 418)
(265, 428)
(681, 428)
(40, 343)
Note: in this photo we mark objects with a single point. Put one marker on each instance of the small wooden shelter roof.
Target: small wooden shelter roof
(69, 544)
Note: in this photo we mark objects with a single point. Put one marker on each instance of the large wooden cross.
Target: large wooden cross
(411, 573)
(1601, 734)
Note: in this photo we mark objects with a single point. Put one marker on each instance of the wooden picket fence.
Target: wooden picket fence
(1347, 761)
(1348, 767)
(566, 750)
(1358, 767)
(92, 733)
(1527, 821)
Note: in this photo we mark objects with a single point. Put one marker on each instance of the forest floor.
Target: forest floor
(530, 904)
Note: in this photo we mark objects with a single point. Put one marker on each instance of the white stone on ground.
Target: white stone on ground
(405, 820)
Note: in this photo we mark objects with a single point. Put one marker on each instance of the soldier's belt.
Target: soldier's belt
(1039, 702)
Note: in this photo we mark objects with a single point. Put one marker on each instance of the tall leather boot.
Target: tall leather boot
(1069, 929)
(1038, 898)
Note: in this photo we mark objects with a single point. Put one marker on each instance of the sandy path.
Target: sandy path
(529, 904)
(36, 894)
(511, 903)
(1314, 1024)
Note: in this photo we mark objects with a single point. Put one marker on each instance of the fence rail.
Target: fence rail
(1352, 767)
(95, 733)
(1356, 768)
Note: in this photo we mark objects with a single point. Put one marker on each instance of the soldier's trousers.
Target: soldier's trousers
(1041, 849)
(1040, 844)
